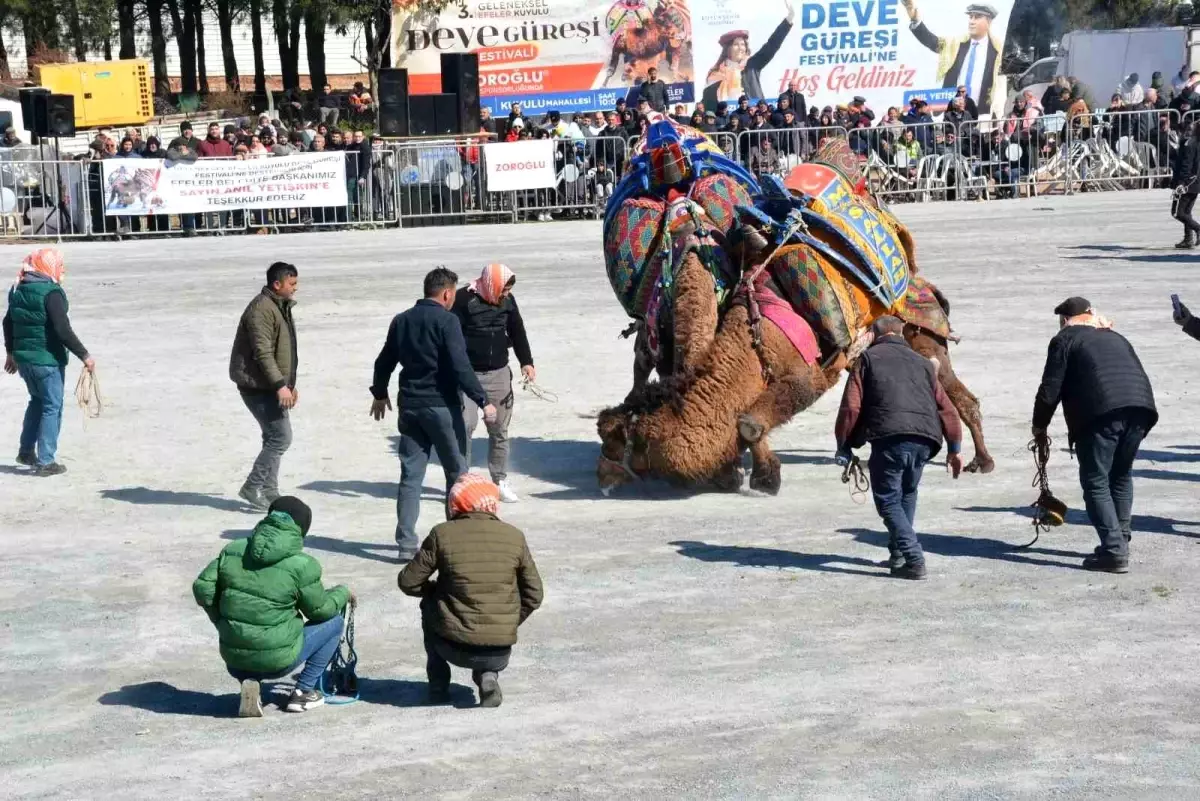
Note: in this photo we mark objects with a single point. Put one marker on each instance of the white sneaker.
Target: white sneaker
(506, 493)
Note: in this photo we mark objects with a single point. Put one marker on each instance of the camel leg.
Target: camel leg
(643, 361)
(781, 401)
(765, 473)
(729, 478)
(965, 402)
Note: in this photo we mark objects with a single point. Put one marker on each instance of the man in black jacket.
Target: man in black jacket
(894, 401)
(427, 342)
(491, 322)
(1187, 187)
(1109, 408)
(654, 91)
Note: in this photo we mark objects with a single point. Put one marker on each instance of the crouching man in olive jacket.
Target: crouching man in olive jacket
(486, 585)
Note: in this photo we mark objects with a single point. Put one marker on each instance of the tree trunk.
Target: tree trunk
(125, 17)
(282, 15)
(315, 18)
(201, 65)
(185, 38)
(108, 48)
(233, 81)
(5, 72)
(158, 48)
(40, 26)
(377, 34)
(76, 28)
(260, 71)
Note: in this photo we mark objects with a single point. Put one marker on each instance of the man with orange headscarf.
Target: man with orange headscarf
(37, 338)
(491, 322)
(487, 585)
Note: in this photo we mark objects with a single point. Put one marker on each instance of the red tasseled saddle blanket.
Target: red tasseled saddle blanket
(797, 331)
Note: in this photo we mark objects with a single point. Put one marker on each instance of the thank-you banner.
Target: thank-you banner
(569, 55)
(885, 51)
(154, 186)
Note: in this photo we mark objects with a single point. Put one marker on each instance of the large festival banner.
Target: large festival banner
(886, 51)
(567, 55)
(154, 186)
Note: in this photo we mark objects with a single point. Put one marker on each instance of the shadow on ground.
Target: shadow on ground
(144, 496)
(406, 693)
(953, 546)
(383, 490)
(1164, 475)
(1145, 524)
(166, 699)
(371, 551)
(746, 556)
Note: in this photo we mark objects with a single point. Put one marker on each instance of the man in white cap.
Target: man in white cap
(972, 60)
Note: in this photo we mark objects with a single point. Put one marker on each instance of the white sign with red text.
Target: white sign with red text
(512, 166)
(153, 186)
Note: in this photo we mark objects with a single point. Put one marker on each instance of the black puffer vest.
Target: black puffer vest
(898, 395)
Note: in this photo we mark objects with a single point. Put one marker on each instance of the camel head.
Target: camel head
(621, 461)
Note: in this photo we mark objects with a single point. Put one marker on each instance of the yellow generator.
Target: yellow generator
(106, 92)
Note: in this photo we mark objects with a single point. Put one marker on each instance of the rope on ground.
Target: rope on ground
(541, 393)
(854, 475)
(87, 394)
(340, 679)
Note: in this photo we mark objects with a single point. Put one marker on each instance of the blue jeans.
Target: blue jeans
(421, 432)
(896, 466)
(43, 415)
(320, 644)
(1106, 454)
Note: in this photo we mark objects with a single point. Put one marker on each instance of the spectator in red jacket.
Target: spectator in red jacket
(214, 145)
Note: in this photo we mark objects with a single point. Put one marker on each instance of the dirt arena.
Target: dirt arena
(690, 647)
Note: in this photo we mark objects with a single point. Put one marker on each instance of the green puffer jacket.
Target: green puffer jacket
(259, 592)
(34, 339)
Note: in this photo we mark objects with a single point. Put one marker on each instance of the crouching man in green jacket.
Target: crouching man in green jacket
(486, 586)
(265, 596)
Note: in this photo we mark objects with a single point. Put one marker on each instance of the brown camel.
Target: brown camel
(694, 427)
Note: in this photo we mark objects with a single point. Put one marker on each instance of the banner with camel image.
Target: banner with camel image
(884, 51)
(565, 55)
(153, 186)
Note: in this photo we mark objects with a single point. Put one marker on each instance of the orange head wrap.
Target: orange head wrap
(491, 283)
(473, 493)
(47, 262)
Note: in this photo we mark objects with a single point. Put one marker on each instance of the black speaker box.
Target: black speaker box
(460, 77)
(60, 115)
(432, 115)
(393, 102)
(27, 111)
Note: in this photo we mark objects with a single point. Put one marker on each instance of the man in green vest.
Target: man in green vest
(37, 338)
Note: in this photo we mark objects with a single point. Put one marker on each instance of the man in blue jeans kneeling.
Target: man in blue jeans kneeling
(265, 596)
(893, 400)
(427, 342)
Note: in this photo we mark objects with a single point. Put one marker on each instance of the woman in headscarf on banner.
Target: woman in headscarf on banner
(739, 69)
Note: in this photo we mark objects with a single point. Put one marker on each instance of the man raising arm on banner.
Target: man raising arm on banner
(972, 60)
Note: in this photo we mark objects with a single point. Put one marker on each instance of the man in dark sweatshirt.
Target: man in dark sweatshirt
(894, 401)
(1109, 407)
(491, 322)
(427, 342)
(37, 338)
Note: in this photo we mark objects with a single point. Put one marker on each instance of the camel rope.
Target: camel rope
(87, 394)
(539, 392)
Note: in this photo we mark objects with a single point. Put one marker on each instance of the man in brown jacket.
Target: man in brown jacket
(486, 585)
(263, 366)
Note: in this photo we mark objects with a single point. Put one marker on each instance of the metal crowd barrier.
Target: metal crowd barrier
(42, 198)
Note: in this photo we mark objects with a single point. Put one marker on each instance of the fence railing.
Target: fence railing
(443, 181)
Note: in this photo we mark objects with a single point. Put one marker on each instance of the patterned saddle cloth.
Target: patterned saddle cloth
(680, 194)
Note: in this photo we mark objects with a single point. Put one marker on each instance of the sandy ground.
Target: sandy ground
(689, 647)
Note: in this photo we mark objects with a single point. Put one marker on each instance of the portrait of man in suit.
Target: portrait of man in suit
(971, 60)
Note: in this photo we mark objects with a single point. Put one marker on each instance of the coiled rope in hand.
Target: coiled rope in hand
(87, 394)
(856, 476)
(541, 393)
(1048, 511)
(340, 677)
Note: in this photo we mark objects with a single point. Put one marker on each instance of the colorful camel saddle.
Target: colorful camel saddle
(923, 308)
(837, 258)
(679, 195)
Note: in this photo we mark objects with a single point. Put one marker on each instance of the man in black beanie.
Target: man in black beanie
(1109, 408)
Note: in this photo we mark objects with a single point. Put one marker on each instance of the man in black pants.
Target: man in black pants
(427, 342)
(1109, 408)
(894, 401)
(1187, 187)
